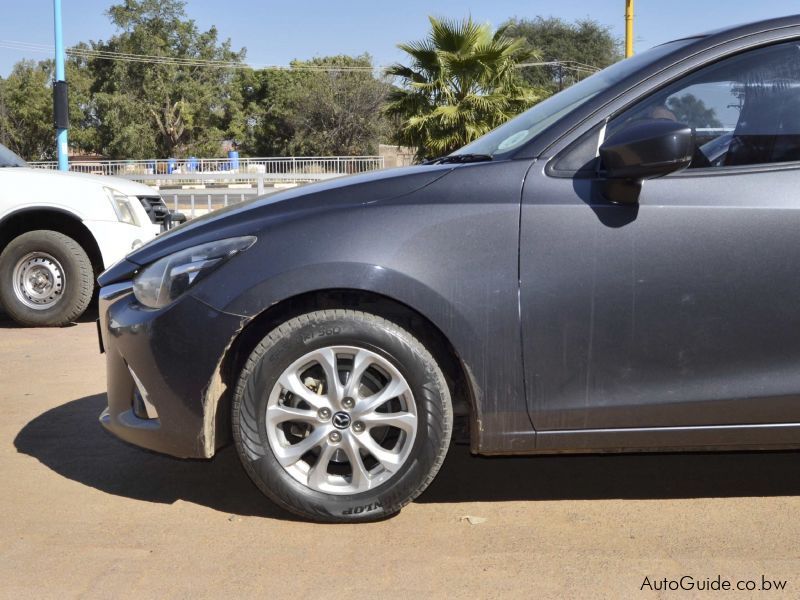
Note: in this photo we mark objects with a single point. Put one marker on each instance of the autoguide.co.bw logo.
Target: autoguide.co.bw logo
(707, 584)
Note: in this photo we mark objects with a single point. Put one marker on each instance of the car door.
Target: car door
(683, 309)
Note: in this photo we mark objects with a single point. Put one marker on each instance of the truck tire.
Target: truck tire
(46, 279)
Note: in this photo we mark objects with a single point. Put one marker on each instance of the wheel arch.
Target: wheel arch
(52, 219)
(219, 393)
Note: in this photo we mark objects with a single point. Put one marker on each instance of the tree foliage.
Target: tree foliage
(585, 43)
(265, 122)
(149, 108)
(691, 110)
(462, 82)
(26, 110)
(339, 112)
(314, 112)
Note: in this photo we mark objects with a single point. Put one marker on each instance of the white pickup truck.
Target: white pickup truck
(58, 231)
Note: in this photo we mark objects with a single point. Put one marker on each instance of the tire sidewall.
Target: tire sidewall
(47, 242)
(396, 346)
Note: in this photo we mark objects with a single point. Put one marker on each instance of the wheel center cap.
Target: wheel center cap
(341, 420)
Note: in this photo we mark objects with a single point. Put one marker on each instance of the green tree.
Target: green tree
(154, 107)
(266, 120)
(462, 82)
(325, 106)
(338, 112)
(691, 110)
(581, 47)
(26, 111)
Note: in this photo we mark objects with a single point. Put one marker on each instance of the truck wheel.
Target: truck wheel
(341, 416)
(46, 279)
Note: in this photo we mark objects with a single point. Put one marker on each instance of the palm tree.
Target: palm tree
(461, 84)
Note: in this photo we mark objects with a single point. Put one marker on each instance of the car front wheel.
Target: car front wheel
(46, 279)
(341, 416)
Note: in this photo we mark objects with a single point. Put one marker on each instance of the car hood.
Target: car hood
(126, 186)
(246, 218)
(53, 177)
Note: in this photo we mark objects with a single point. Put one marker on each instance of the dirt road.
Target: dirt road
(84, 515)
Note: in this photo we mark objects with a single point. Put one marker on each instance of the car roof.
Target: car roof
(742, 29)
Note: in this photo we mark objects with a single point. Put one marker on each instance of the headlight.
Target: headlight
(163, 281)
(122, 206)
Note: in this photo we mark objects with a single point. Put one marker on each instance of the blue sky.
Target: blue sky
(275, 32)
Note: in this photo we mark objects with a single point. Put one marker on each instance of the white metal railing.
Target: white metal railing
(222, 170)
(192, 205)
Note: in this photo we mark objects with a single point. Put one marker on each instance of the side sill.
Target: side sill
(658, 439)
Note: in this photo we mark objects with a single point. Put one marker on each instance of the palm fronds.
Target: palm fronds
(460, 83)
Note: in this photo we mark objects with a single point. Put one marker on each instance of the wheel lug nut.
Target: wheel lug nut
(335, 437)
(348, 403)
(324, 413)
(358, 426)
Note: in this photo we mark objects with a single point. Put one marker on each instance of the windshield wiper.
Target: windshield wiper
(458, 159)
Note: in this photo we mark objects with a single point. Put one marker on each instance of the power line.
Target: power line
(89, 53)
(83, 52)
(566, 64)
(198, 62)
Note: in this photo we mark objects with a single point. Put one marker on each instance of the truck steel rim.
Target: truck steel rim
(38, 280)
(341, 420)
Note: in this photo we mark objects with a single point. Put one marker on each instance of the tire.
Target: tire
(396, 462)
(65, 281)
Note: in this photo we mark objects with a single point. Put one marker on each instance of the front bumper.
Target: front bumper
(160, 365)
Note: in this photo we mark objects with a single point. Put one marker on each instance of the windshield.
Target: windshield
(525, 127)
(9, 159)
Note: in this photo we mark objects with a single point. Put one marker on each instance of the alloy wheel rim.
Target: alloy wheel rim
(341, 420)
(38, 280)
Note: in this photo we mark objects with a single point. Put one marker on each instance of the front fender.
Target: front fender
(350, 277)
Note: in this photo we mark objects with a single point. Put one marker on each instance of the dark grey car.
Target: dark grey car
(615, 269)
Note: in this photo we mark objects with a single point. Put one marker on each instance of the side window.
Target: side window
(745, 110)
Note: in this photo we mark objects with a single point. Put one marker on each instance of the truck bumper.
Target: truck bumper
(116, 239)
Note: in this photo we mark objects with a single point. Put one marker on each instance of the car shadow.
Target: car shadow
(633, 476)
(69, 440)
(6, 322)
(590, 191)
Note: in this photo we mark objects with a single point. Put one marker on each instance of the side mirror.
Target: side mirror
(642, 151)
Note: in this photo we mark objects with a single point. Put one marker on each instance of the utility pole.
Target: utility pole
(628, 28)
(60, 105)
